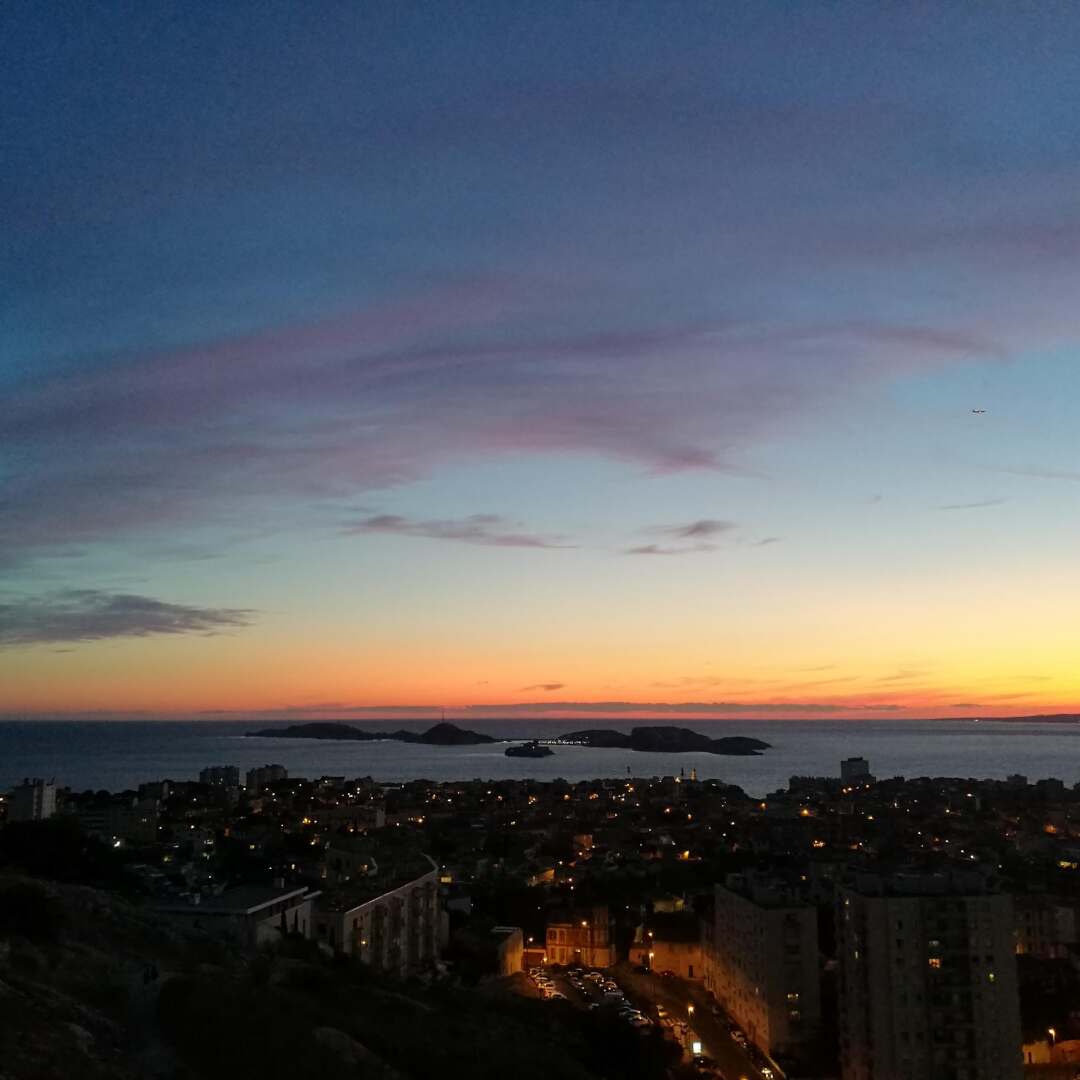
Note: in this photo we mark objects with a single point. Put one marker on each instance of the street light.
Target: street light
(1053, 1035)
(690, 1009)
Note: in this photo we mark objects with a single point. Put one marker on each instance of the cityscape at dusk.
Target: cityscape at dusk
(539, 540)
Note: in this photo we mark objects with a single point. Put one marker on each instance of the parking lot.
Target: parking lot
(591, 990)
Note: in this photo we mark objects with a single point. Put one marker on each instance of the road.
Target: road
(676, 995)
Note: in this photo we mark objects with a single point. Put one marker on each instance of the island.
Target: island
(531, 749)
(442, 734)
(664, 739)
(661, 739)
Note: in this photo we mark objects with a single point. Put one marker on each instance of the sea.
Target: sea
(118, 755)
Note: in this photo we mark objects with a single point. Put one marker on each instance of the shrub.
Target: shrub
(28, 911)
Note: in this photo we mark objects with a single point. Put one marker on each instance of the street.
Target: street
(677, 995)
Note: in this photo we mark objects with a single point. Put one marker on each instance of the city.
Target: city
(847, 926)
(538, 540)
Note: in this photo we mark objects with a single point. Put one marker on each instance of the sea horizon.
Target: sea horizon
(120, 755)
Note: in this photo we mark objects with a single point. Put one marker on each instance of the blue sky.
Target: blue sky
(606, 330)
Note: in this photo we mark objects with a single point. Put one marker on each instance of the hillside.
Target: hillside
(94, 986)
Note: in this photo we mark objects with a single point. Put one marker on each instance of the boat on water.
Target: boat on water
(529, 749)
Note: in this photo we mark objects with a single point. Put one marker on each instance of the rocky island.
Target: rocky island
(661, 739)
(531, 749)
(664, 739)
(442, 734)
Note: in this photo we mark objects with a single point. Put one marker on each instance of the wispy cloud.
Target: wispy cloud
(660, 549)
(813, 684)
(91, 615)
(903, 675)
(662, 708)
(489, 530)
(979, 504)
(1037, 472)
(545, 686)
(700, 681)
(704, 528)
(691, 538)
(330, 410)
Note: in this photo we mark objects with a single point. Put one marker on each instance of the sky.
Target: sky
(539, 359)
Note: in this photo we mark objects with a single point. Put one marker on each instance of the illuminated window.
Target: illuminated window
(935, 962)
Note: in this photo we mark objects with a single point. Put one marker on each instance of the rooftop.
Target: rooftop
(242, 900)
(394, 874)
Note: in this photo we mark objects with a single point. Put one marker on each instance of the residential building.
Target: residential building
(1045, 927)
(389, 918)
(117, 819)
(220, 776)
(348, 857)
(510, 949)
(581, 938)
(258, 778)
(763, 967)
(855, 770)
(249, 915)
(32, 800)
(928, 984)
(669, 941)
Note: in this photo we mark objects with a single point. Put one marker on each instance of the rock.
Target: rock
(352, 1053)
(83, 1039)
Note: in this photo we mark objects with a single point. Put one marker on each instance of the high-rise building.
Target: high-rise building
(33, 800)
(928, 987)
(258, 778)
(855, 770)
(761, 961)
(220, 776)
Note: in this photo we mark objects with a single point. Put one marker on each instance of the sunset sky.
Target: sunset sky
(540, 359)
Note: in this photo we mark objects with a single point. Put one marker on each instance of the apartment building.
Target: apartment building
(761, 961)
(928, 987)
(581, 938)
(33, 800)
(1045, 927)
(248, 915)
(389, 918)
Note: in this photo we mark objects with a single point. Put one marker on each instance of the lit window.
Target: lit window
(935, 962)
